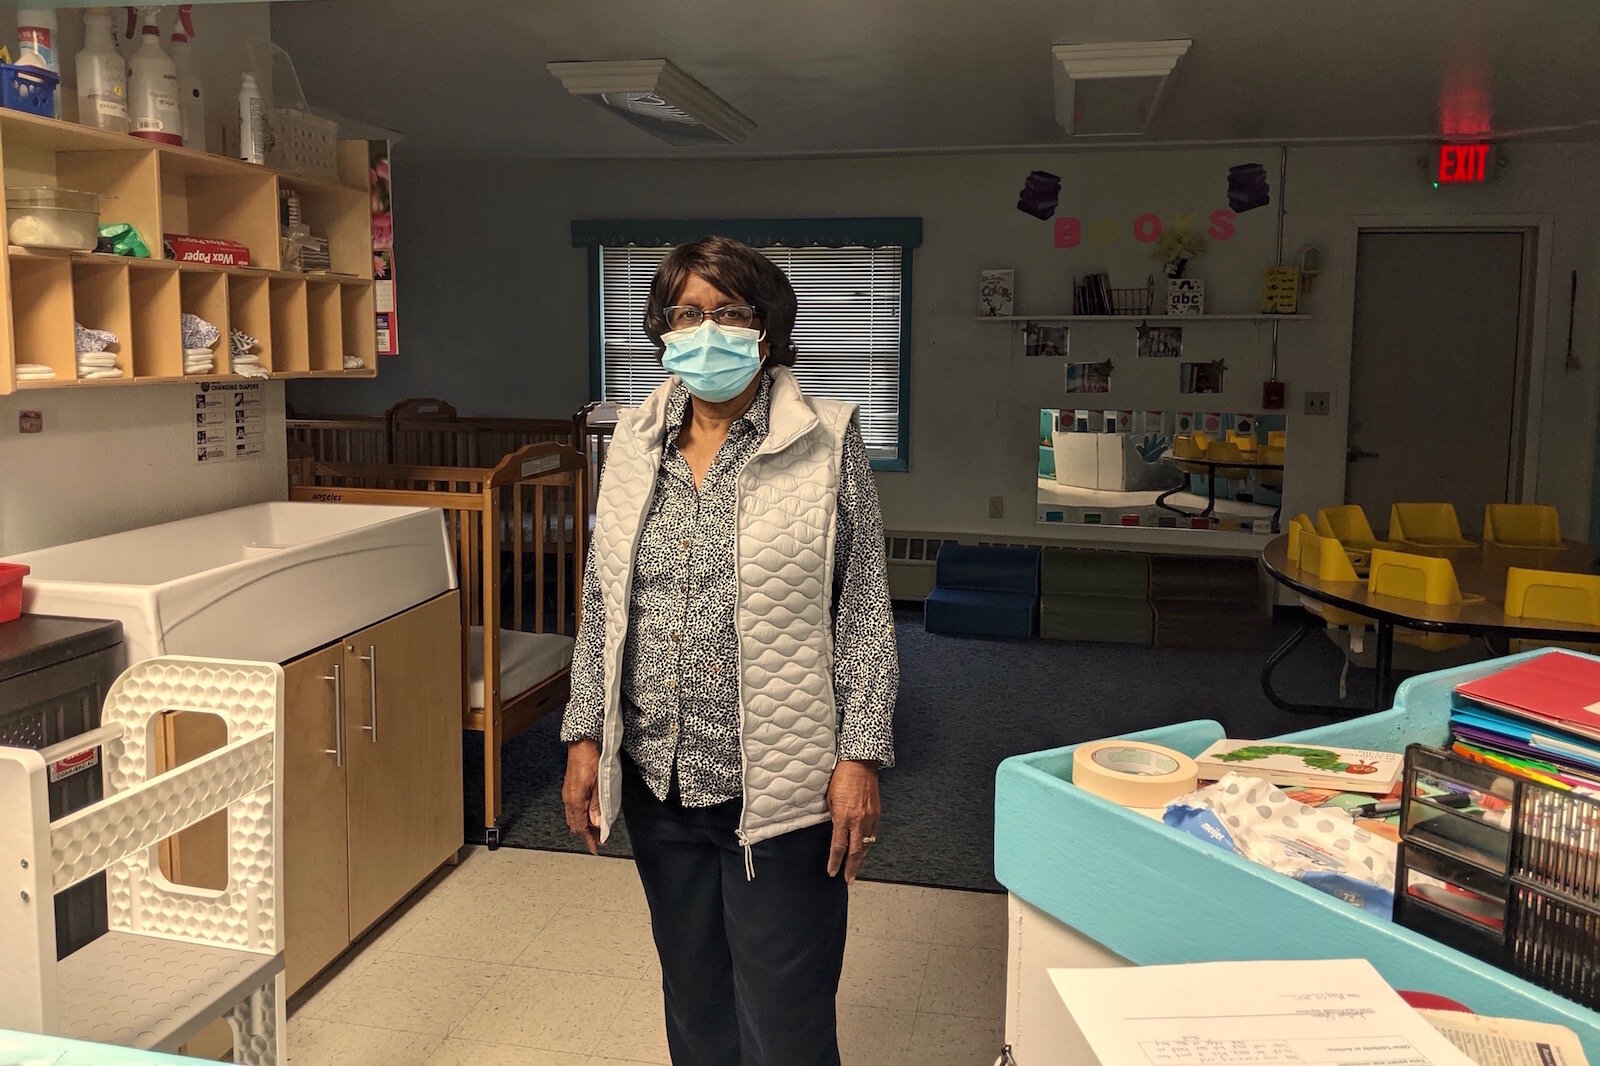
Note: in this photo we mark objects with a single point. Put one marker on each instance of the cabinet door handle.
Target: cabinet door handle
(371, 659)
(337, 751)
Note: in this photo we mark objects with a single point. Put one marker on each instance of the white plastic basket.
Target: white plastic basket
(303, 144)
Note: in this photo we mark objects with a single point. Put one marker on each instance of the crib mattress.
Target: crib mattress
(526, 659)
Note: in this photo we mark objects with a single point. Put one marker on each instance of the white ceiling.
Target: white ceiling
(468, 79)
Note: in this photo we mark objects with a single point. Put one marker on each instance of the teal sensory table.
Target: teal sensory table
(35, 1050)
(1142, 892)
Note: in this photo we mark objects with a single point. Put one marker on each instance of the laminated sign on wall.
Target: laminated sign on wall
(229, 421)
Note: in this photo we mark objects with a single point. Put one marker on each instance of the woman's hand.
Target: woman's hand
(580, 793)
(853, 801)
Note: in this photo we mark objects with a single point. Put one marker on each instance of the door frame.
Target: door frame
(1532, 321)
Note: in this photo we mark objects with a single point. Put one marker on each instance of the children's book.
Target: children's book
(1304, 765)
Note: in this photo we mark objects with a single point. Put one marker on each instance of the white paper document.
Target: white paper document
(1323, 1013)
(1508, 1041)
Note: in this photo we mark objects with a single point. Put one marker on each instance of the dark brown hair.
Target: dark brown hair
(738, 270)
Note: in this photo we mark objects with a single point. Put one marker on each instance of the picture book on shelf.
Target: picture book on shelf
(1304, 765)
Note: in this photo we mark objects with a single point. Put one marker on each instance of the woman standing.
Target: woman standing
(735, 673)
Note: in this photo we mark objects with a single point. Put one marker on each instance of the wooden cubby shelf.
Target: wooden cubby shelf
(307, 324)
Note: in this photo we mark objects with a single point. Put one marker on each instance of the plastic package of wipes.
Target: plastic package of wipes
(1320, 846)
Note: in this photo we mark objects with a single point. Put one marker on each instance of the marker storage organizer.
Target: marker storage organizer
(1502, 868)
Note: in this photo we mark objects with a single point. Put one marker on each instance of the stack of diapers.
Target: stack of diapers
(199, 341)
(95, 360)
(244, 355)
(1319, 846)
(34, 372)
(353, 362)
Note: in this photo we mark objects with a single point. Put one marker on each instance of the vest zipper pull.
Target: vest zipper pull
(749, 864)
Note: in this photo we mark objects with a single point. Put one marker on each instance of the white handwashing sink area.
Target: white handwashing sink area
(269, 581)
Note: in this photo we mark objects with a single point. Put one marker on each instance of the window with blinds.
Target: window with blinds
(848, 330)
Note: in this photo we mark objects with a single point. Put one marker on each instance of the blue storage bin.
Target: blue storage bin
(28, 89)
(1155, 895)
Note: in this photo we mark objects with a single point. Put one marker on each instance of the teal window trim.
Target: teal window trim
(906, 233)
(756, 232)
(596, 338)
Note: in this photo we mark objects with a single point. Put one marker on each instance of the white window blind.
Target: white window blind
(847, 330)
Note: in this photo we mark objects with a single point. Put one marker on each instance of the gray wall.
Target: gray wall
(494, 300)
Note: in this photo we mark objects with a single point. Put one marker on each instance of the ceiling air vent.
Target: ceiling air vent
(1112, 89)
(657, 97)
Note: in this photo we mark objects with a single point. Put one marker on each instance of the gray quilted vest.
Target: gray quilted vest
(788, 497)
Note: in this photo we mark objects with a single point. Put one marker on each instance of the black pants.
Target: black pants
(749, 969)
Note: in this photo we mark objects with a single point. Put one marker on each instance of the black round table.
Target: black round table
(1481, 573)
(1208, 467)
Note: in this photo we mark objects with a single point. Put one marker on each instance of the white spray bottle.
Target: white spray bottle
(39, 43)
(102, 75)
(153, 84)
(191, 99)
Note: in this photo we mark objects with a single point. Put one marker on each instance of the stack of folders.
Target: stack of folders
(1538, 719)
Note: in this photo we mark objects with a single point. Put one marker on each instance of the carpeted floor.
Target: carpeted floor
(966, 704)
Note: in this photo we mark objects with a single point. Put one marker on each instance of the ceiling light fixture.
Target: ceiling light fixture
(657, 97)
(1112, 89)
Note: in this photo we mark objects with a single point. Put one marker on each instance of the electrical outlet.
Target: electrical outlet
(1318, 403)
(997, 506)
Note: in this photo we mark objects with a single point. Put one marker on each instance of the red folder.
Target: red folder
(1557, 688)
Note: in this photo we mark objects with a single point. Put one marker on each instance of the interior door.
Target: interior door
(315, 828)
(402, 754)
(1436, 395)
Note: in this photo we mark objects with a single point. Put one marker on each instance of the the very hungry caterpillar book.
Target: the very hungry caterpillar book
(1348, 769)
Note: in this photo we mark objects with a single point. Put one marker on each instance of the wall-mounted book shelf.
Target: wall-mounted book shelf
(306, 323)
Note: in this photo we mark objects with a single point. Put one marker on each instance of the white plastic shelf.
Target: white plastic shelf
(152, 993)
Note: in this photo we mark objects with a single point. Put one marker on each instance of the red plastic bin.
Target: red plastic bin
(11, 575)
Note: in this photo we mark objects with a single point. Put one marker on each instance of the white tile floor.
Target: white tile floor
(532, 957)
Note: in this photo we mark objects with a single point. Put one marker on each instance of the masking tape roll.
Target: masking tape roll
(1133, 773)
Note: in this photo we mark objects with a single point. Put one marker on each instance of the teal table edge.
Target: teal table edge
(1154, 895)
(36, 1050)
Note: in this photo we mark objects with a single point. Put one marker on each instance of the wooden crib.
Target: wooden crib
(429, 432)
(592, 429)
(341, 438)
(517, 654)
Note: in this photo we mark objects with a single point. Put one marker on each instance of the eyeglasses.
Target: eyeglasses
(680, 316)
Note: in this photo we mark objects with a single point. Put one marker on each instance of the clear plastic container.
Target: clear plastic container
(53, 218)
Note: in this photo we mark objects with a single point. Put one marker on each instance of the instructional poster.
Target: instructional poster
(229, 421)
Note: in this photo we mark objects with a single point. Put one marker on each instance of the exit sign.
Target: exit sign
(1463, 164)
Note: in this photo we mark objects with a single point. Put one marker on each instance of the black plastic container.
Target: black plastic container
(54, 675)
(1502, 868)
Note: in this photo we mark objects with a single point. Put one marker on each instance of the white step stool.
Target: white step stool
(176, 957)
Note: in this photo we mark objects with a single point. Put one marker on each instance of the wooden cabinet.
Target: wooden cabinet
(402, 754)
(372, 797)
(315, 815)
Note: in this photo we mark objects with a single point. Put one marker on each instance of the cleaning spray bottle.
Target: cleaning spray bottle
(153, 84)
(102, 75)
(38, 41)
(191, 101)
(252, 121)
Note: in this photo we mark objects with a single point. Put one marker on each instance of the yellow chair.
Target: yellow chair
(1348, 525)
(1325, 559)
(1551, 596)
(1189, 446)
(1245, 442)
(1426, 525)
(1299, 525)
(1522, 525)
(1423, 578)
(1277, 438)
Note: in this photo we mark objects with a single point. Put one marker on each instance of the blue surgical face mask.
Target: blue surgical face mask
(715, 362)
